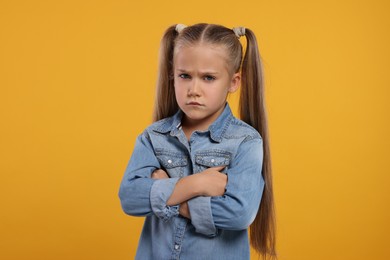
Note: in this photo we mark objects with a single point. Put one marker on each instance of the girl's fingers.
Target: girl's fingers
(159, 174)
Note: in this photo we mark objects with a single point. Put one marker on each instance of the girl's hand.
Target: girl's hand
(213, 181)
(159, 174)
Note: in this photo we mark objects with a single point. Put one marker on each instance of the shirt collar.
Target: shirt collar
(219, 126)
(216, 129)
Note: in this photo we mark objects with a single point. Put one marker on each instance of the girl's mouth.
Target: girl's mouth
(193, 103)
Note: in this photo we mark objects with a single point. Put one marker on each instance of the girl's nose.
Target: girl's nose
(194, 89)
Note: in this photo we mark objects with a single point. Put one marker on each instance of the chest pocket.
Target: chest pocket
(172, 162)
(212, 158)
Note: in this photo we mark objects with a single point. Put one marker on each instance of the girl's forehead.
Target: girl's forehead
(214, 51)
(204, 57)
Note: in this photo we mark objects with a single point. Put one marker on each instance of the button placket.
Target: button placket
(179, 236)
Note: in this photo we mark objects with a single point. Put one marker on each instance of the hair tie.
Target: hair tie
(180, 27)
(239, 31)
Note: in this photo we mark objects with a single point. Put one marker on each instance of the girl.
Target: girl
(199, 175)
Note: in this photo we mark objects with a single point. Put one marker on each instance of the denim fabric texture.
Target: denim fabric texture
(218, 225)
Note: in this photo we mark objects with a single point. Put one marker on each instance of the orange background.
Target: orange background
(77, 86)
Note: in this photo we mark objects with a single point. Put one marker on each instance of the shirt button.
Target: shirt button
(169, 161)
(177, 247)
(212, 160)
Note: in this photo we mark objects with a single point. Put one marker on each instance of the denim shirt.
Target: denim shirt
(218, 225)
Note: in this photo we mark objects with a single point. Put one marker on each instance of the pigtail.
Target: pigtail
(253, 111)
(165, 101)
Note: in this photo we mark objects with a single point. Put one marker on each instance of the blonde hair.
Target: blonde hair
(252, 105)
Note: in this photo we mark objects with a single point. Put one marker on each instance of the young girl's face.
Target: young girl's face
(202, 82)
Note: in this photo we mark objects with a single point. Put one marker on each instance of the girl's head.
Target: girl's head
(205, 70)
(176, 37)
(198, 51)
(180, 37)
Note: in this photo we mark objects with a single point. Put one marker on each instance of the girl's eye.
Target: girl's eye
(184, 76)
(209, 78)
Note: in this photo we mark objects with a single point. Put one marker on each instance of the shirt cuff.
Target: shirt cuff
(201, 216)
(159, 194)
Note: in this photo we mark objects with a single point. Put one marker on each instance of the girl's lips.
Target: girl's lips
(193, 103)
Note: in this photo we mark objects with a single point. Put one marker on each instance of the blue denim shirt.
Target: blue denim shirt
(218, 225)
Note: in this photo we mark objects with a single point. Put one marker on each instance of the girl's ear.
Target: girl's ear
(235, 83)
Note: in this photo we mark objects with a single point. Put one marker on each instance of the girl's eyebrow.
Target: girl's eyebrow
(209, 72)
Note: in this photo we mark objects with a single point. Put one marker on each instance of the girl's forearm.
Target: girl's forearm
(210, 183)
(186, 188)
(207, 183)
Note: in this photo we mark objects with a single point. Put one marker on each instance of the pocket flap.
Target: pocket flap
(171, 159)
(213, 158)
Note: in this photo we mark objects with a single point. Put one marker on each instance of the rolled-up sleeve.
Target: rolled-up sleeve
(139, 194)
(201, 216)
(238, 207)
(159, 194)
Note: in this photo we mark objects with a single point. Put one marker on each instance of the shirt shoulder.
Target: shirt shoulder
(160, 127)
(240, 129)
